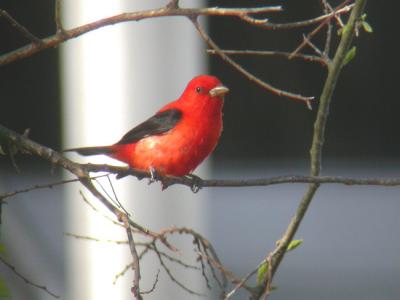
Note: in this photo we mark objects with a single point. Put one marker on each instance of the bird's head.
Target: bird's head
(204, 91)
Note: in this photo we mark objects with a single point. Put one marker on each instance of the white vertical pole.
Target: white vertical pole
(114, 78)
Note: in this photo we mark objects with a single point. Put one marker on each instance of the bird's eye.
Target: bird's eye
(199, 90)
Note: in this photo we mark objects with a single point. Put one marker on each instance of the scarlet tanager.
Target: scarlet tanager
(178, 137)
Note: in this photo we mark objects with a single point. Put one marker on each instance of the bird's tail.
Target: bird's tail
(87, 151)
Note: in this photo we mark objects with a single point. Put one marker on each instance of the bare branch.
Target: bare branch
(64, 35)
(305, 57)
(25, 279)
(36, 187)
(350, 181)
(240, 284)
(57, 17)
(154, 285)
(25, 32)
(328, 39)
(93, 239)
(318, 137)
(340, 10)
(172, 277)
(135, 264)
(318, 28)
(246, 73)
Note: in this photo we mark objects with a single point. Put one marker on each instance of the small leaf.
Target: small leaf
(293, 245)
(262, 270)
(363, 17)
(349, 56)
(367, 27)
(4, 291)
(2, 151)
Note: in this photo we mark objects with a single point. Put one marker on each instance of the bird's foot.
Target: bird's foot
(196, 182)
(154, 176)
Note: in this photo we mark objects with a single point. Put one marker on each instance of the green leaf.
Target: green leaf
(261, 273)
(4, 291)
(349, 56)
(293, 245)
(2, 151)
(367, 27)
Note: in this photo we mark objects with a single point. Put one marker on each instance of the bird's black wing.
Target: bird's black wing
(157, 124)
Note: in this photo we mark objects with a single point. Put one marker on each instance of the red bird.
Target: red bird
(178, 137)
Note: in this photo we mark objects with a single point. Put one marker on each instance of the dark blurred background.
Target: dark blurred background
(363, 120)
(351, 234)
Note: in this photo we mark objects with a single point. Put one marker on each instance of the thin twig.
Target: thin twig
(122, 273)
(305, 57)
(336, 15)
(26, 280)
(246, 73)
(93, 239)
(240, 284)
(318, 28)
(135, 264)
(230, 275)
(172, 277)
(329, 28)
(318, 137)
(95, 209)
(57, 17)
(207, 247)
(36, 187)
(22, 29)
(203, 267)
(305, 23)
(315, 49)
(62, 36)
(154, 285)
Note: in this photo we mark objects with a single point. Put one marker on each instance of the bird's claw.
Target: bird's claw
(196, 182)
(154, 176)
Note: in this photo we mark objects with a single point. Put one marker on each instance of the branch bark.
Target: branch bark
(63, 35)
(318, 137)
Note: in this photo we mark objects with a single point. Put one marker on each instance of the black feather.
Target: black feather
(157, 124)
(87, 151)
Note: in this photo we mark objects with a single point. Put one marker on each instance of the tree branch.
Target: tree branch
(318, 137)
(288, 55)
(339, 10)
(246, 73)
(25, 279)
(64, 35)
(25, 32)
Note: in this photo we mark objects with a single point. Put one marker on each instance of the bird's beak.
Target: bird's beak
(218, 91)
